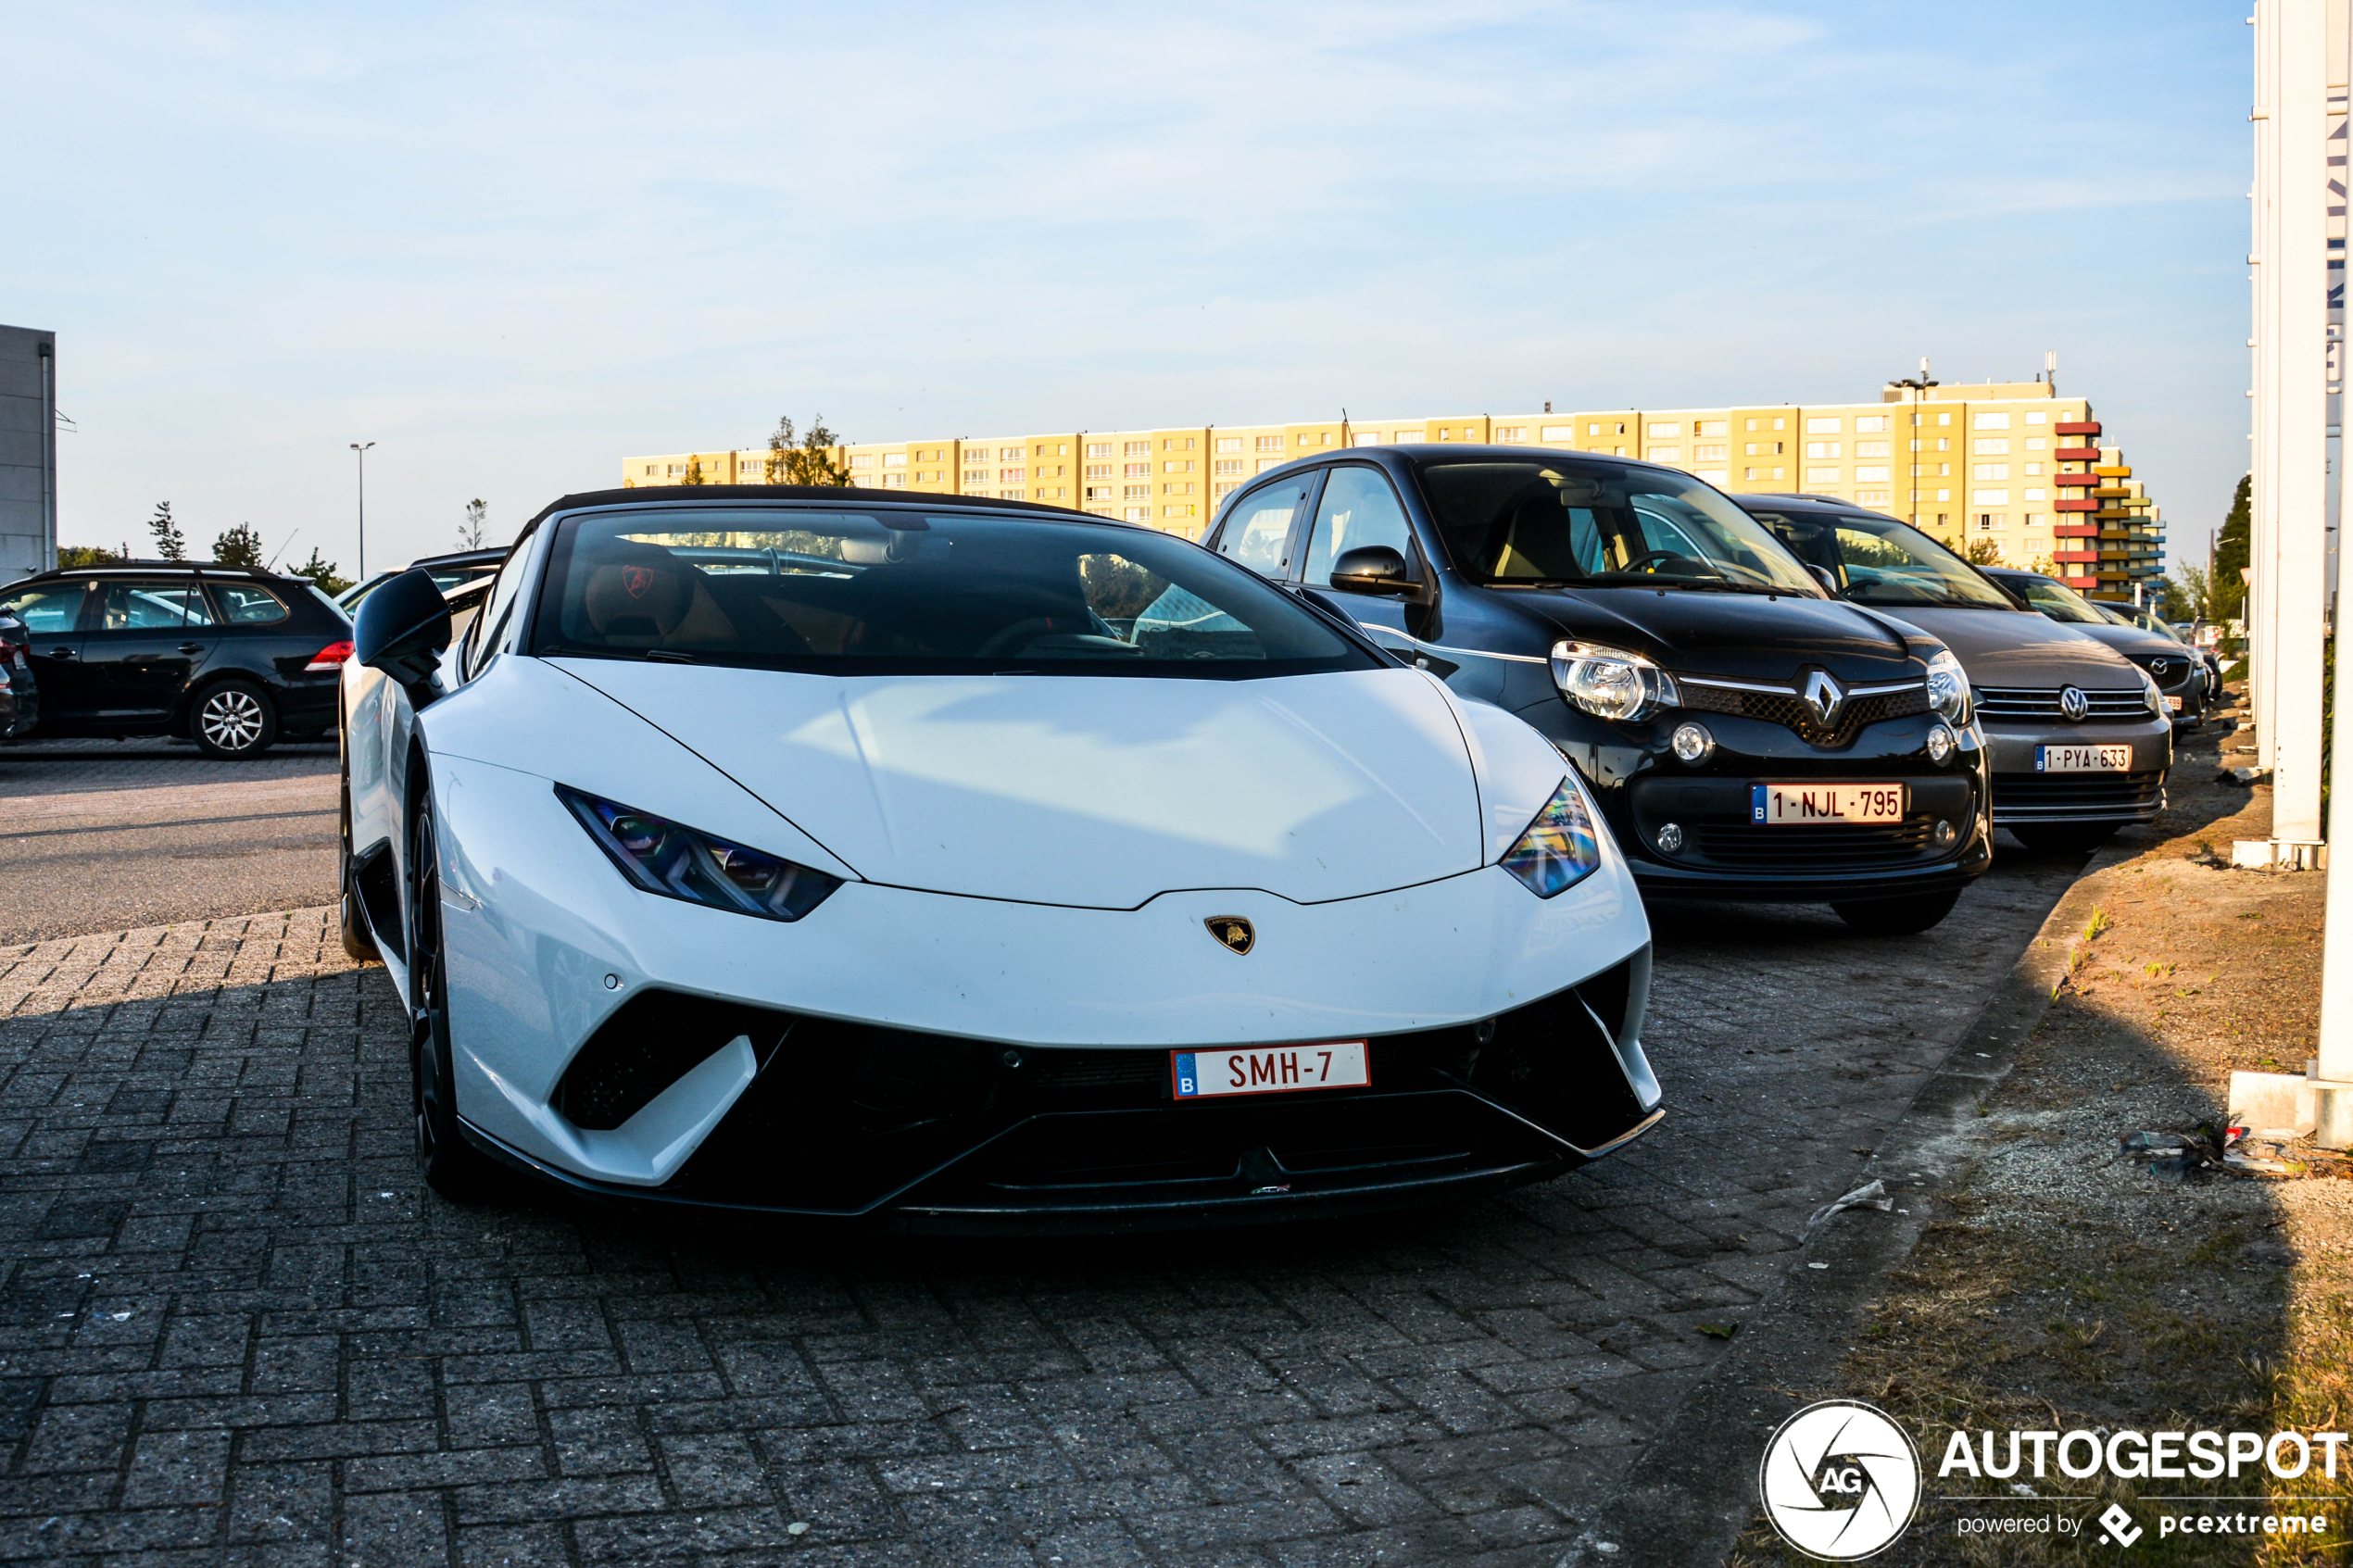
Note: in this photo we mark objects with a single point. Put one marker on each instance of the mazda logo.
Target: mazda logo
(2075, 704)
(2160, 666)
(1824, 695)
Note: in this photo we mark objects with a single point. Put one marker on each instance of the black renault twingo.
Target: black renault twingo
(1748, 735)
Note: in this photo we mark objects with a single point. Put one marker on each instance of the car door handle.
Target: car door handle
(191, 648)
(58, 653)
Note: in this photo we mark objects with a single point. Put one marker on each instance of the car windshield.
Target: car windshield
(2058, 602)
(1555, 522)
(907, 592)
(1877, 560)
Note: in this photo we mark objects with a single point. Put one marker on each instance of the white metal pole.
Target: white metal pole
(2262, 456)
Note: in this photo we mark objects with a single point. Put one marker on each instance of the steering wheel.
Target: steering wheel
(1648, 555)
(1020, 634)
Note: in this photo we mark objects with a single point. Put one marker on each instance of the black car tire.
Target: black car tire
(451, 1165)
(233, 719)
(358, 944)
(1898, 917)
(2065, 838)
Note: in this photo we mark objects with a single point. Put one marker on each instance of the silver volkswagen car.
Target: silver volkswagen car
(2078, 734)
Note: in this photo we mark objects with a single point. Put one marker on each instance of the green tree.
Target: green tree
(170, 545)
(1985, 552)
(321, 572)
(470, 531)
(808, 460)
(2183, 596)
(240, 546)
(693, 472)
(87, 555)
(2226, 595)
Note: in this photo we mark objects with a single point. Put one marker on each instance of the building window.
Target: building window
(862, 459)
(1137, 514)
(1008, 453)
(975, 476)
(1709, 454)
(1097, 470)
(1944, 419)
(1748, 475)
(1098, 448)
(1821, 426)
(1009, 494)
(894, 481)
(1595, 428)
(1822, 476)
(1177, 465)
(2033, 470)
(1364, 438)
(2035, 494)
(1665, 430)
(1872, 497)
(1511, 433)
(1229, 443)
(1990, 470)
(1666, 454)
(1135, 470)
(1230, 465)
(1134, 492)
(1992, 446)
(652, 469)
(1708, 427)
(1870, 473)
(1227, 488)
(1871, 424)
(1006, 476)
(1991, 498)
(1992, 422)
(1406, 436)
(1444, 434)
(1270, 443)
(1944, 496)
(1870, 449)
(1748, 424)
(1820, 449)
(2035, 418)
(1137, 449)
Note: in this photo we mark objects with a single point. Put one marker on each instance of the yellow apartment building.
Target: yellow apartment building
(2009, 463)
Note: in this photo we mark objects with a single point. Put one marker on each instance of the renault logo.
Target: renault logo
(2075, 704)
(1233, 931)
(1824, 695)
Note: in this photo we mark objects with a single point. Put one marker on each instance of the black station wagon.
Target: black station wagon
(1749, 736)
(227, 656)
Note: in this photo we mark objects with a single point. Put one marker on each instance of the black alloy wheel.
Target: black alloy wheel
(1898, 917)
(451, 1165)
(2065, 838)
(235, 720)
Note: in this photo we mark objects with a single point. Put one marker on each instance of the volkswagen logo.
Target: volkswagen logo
(1824, 695)
(2075, 704)
(1233, 931)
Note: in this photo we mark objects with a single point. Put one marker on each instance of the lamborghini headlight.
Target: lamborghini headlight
(1612, 683)
(1559, 849)
(676, 862)
(1948, 686)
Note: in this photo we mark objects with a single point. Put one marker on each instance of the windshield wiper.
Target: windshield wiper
(670, 656)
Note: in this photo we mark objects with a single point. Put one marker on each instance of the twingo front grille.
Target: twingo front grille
(1790, 710)
(1800, 847)
(2043, 702)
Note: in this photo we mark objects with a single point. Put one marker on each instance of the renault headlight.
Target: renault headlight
(1559, 849)
(676, 862)
(1612, 683)
(1948, 686)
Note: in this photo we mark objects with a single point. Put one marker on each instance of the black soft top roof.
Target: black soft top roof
(853, 494)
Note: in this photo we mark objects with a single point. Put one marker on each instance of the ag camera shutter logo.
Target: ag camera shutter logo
(1840, 1481)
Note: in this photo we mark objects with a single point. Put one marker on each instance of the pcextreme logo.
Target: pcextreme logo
(1840, 1481)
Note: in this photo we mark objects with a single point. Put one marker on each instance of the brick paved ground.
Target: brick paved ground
(233, 1329)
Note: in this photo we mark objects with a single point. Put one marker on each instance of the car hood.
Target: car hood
(2132, 642)
(1737, 636)
(2006, 647)
(1096, 791)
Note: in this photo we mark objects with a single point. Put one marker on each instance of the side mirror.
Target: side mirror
(1372, 568)
(403, 628)
(1822, 575)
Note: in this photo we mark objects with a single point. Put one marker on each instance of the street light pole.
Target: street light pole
(1919, 385)
(363, 507)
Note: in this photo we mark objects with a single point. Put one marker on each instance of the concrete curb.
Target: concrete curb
(1693, 1491)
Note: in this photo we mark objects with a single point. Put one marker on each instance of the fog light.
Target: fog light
(1693, 743)
(1670, 837)
(1943, 834)
(1940, 744)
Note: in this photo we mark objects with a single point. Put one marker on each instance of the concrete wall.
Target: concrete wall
(28, 452)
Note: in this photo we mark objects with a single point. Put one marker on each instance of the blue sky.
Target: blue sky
(513, 244)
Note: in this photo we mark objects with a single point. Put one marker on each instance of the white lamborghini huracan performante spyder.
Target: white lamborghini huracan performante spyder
(953, 863)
